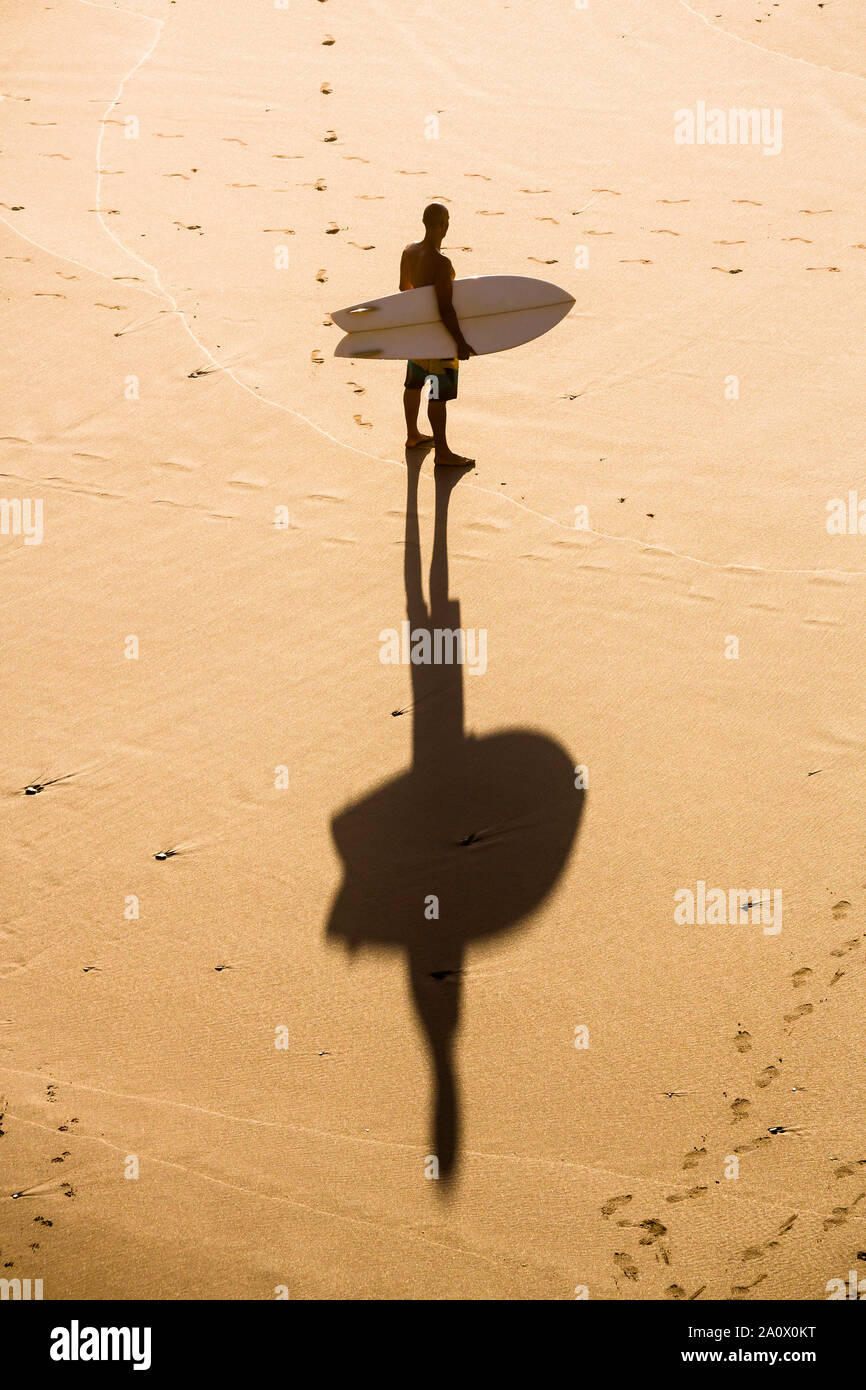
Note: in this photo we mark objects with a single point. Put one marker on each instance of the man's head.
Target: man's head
(435, 219)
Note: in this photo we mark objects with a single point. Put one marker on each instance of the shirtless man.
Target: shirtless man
(422, 263)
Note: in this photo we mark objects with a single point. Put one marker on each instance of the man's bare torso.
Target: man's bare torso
(423, 265)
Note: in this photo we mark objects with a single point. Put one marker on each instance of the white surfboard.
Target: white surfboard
(495, 312)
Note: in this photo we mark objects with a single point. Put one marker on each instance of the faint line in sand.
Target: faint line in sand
(772, 52)
(635, 1180)
(273, 1196)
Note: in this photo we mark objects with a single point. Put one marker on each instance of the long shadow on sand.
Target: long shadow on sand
(478, 829)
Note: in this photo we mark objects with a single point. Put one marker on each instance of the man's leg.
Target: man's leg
(411, 403)
(411, 406)
(436, 413)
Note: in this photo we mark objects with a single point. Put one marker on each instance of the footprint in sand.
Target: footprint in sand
(662, 231)
(331, 229)
(757, 1252)
(483, 212)
(326, 89)
(740, 1107)
(358, 390)
(365, 424)
(693, 1158)
(839, 1215)
(359, 247)
(846, 947)
(726, 271)
(614, 1203)
(844, 1171)
(247, 480)
(750, 201)
(638, 260)
(801, 1012)
(753, 1144)
(800, 977)
(653, 1231)
(626, 1266)
(327, 41)
(804, 239)
(729, 243)
(767, 1076)
(673, 202)
(743, 1041)
(538, 261)
(741, 1290)
(815, 212)
(329, 137)
(316, 356)
(478, 176)
(322, 276)
(686, 1196)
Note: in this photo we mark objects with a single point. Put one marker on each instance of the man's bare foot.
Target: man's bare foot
(452, 460)
(418, 440)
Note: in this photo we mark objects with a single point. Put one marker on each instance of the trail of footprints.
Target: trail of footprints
(698, 1160)
(38, 1190)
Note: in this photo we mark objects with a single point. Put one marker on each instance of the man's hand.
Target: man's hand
(464, 350)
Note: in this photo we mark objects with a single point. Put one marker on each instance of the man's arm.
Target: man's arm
(445, 300)
(405, 282)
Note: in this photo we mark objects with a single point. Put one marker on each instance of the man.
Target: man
(422, 263)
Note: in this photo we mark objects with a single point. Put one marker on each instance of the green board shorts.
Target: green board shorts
(443, 380)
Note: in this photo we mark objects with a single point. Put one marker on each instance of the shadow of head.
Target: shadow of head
(485, 839)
